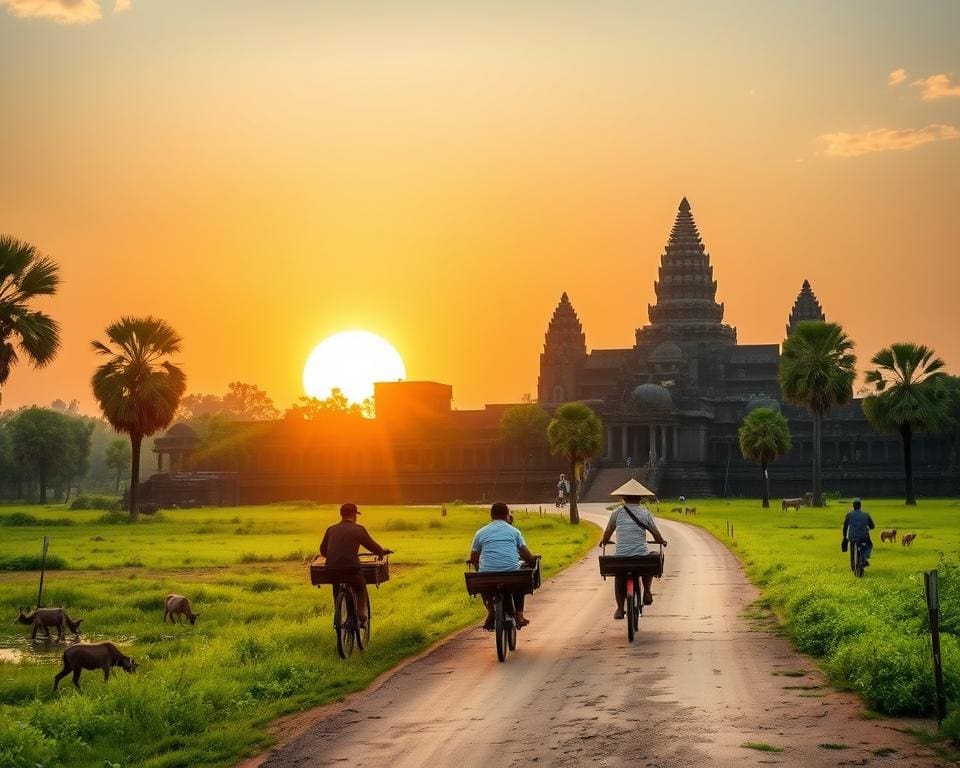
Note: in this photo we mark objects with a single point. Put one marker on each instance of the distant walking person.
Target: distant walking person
(629, 461)
(563, 489)
(856, 528)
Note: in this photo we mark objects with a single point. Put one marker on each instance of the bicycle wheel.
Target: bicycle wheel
(500, 627)
(638, 596)
(363, 633)
(631, 611)
(512, 633)
(859, 570)
(345, 621)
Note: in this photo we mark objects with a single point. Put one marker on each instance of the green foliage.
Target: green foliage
(31, 562)
(263, 646)
(817, 366)
(118, 456)
(106, 503)
(241, 402)
(575, 432)
(764, 437)
(25, 518)
(50, 445)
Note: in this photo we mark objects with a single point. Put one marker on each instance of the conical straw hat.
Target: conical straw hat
(632, 488)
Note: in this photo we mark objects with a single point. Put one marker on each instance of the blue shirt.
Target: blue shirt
(499, 544)
(857, 525)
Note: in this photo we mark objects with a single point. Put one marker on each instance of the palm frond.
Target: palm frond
(40, 279)
(39, 337)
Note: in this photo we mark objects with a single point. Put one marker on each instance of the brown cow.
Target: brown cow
(889, 535)
(49, 617)
(92, 656)
(690, 511)
(791, 504)
(907, 539)
(179, 606)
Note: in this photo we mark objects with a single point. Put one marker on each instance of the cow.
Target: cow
(49, 617)
(889, 535)
(690, 511)
(791, 504)
(907, 539)
(179, 606)
(82, 656)
(677, 511)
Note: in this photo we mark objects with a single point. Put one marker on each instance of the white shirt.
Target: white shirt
(631, 538)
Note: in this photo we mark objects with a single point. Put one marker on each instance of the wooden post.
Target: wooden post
(43, 567)
(930, 584)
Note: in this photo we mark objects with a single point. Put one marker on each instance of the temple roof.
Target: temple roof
(806, 307)
(564, 331)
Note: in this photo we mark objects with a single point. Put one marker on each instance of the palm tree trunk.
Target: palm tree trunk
(817, 459)
(66, 496)
(574, 512)
(135, 441)
(764, 485)
(906, 432)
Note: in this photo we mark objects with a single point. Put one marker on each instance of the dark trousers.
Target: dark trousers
(620, 587)
(359, 589)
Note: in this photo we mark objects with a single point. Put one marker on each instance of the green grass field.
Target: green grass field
(870, 633)
(264, 645)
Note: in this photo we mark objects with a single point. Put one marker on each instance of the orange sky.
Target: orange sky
(262, 175)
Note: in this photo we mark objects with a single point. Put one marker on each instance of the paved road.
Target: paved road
(701, 679)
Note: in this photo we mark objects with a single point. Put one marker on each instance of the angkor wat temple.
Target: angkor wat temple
(671, 404)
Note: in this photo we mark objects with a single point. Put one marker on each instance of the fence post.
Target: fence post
(43, 567)
(931, 588)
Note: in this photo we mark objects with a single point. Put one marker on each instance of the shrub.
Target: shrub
(31, 563)
(22, 745)
(106, 503)
(399, 524)
(301, 504)
(24, 519)
(266, 585)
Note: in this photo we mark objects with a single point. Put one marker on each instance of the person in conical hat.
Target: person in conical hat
(631, 536)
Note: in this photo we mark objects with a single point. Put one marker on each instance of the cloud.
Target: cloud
(845, 144)
(896, 77)
(937, 87)
(61, 11)
(121, 5)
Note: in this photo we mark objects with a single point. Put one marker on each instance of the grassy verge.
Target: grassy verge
(263, 647)
(870, 633)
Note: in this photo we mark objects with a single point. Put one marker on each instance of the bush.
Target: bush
(399, 524)
(25, 519)
(31, 563)
(301, 504)
(23, 746)
(106, 503)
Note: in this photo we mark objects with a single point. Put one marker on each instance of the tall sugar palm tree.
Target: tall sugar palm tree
(25, 274)
(138, 388)
(906, 398)
(764, 437)
(575, 432)
(817, 371)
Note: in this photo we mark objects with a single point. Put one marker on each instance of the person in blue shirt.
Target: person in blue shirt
(856, 527)
(498, 546)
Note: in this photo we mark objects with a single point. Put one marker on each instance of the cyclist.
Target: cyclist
(631, 521)
(856, 528)
(498, 546)
(340, 545)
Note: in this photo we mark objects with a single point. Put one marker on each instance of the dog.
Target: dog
(178, 606)
(791, 504)
(82, 656)
(907, 539)
(49, 617)
(889, 535)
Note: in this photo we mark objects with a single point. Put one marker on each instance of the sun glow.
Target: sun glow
(351, 361)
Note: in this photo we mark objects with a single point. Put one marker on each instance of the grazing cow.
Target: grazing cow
(690, 511)
(677, 511)
(49, 617)
(92, 656)
(791, 504)
(889, 535)
(179, 606)
(907, 539)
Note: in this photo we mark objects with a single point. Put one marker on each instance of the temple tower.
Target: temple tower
(563, 356)
(686, 307)
(806, 307)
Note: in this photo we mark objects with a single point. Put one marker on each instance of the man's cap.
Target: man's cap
(857, 500)
(632, 488)
(348, 509)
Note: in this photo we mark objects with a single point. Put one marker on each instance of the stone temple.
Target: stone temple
(672, 403)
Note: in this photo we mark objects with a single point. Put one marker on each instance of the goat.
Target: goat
(92, 656)
(179, 606)
(49, 617)
(907, 539)
(889, 535)
(791, 504)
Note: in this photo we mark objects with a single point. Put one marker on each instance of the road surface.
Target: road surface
(701, 679)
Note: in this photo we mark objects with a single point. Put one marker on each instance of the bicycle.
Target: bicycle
(349, 631)
(858, 551)
(632, 568)
(494, 586)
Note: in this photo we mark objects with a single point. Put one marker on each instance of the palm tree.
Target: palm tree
(576, 434)
(817, 371)
(25, 274)
(764, 437)
(138, 388)
(524, 427)
(906, 398)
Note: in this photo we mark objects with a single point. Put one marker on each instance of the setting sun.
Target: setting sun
(351, 361)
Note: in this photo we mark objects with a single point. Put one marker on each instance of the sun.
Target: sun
(351, 361)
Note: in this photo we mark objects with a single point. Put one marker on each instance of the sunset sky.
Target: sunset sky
(264, 174)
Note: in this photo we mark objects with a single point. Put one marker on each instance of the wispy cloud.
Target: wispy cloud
(61, 11)
(843, 144)
(937, 87)
(896, 77)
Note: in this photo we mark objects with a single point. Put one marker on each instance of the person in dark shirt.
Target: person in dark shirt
(341, 546)
(856, 528)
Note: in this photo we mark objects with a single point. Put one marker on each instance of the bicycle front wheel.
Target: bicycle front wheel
(500, 628)
(363, 633)
(344, 620)
(638, 599)
(631, 615)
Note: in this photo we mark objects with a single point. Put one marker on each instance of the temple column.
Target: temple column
(635, 448)
(609, 431)
(653, 444)
(623, 442)
(159, 463)
(676, 442)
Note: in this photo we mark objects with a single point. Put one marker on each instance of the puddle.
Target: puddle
(10, 655)
(15, 650)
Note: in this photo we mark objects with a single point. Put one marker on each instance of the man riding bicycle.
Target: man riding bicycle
(631, 521)
(341, 545)
(498, 546)
(856, 528)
